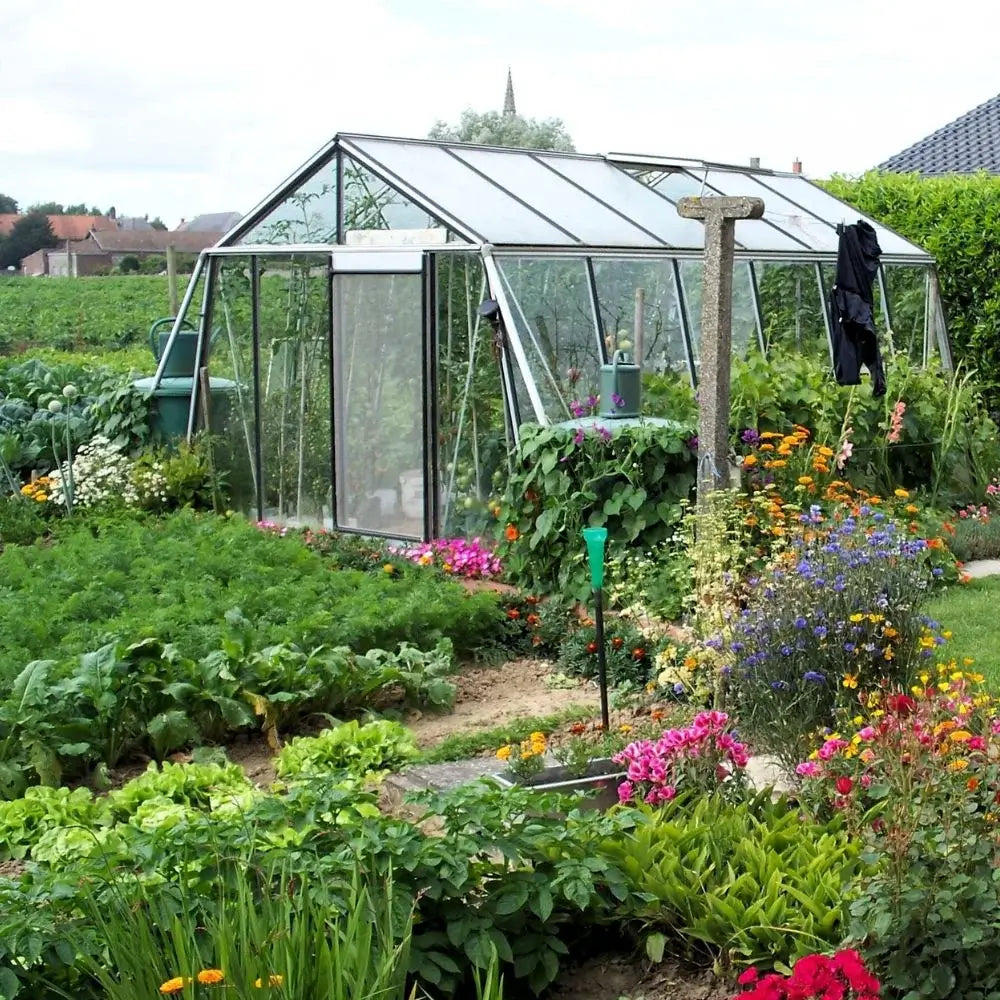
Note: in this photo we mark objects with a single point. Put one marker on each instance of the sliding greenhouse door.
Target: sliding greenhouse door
(380, 398)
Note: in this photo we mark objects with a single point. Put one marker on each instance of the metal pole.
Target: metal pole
(602, 658)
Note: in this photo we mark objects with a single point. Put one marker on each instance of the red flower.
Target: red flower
(531, 599)
(513, 614)
(591, 647)
(748, 977)
(617, 643)
(901, 704)
(638, 653)
(844, 785)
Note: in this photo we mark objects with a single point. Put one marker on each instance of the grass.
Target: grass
(969, 611)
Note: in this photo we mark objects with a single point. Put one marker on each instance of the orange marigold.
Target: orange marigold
(511, 533)
(208, 977)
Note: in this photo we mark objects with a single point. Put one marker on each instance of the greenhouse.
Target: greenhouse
(367, 342)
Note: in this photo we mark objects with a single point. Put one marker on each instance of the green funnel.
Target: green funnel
(596, 539)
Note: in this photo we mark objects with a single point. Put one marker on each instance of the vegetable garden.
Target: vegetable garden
(812, 618)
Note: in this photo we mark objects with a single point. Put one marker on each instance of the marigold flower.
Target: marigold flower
(208, 977)
(825, 451)
(511, 533)
(174, 985)
(775, 463)
(805, 480)
(960, 736)
(504, 752)
(958, 765)
(749, 460)
(972, 784)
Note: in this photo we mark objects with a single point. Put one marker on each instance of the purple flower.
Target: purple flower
(693, 442)
(814, 677)
(578, 436)
(778, 685)
(750, 436)
(603, 433)
(619, 401)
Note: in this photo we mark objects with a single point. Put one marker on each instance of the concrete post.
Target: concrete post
(715, 344)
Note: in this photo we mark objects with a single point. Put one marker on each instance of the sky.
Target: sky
(207, 105)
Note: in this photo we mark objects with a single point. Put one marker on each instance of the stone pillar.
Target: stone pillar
(715, 344)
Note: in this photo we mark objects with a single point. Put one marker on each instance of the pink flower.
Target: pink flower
(808, 769)
(896, 422)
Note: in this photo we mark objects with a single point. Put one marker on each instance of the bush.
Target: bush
(631, 482)
(914, 776)
(629, 654)
(22, 521)
(837, 612)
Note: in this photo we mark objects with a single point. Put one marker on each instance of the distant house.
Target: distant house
(215, 222)
(104, 249)
(64, 227)
(965, 146)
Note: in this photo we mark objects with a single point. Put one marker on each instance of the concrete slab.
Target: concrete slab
(977, 568)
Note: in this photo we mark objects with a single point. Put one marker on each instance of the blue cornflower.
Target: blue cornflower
(786, 650)
(814, 677)
(849, 647)
(737, 647)
(778, 685)
(678, 688)
(820, 631)
(803, 568)
(937, 571)
(800, 622)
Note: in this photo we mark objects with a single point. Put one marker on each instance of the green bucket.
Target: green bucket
(168, 416)
(621, 387)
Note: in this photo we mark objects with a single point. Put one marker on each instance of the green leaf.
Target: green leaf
(655, 945)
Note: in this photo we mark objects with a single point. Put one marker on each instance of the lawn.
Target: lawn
(967, 611)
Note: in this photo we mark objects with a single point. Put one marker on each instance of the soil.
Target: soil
(488, 697)
(621, 977)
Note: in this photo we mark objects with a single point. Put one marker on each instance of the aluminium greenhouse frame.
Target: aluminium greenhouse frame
(520, 216)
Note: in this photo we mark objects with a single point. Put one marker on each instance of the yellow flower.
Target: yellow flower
(777, 463)
(888, 652)
(805, 480)
(41, 497)
(857, 617)
(625, 728)
(174, 985)
(902, 494)
(388, 568)
(272, 980)
(960, 736)
(208, 977)
(749, 460)
(946, 635)
(537, 737)
(968, 661)
(825, 451)
(426, 559)
(850, 680)
(867, 755)
(958, 765)
(857, 720)
(504, 752)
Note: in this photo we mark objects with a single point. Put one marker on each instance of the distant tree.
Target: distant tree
(46, 208)
(129, 264)
(158, 223)
(8, 206)
(493, 128)
(80, 209)
(31, 233)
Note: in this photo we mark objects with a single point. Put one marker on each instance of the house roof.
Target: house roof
(214, 222)
(152, 241)
(65, 227)
(966, 145)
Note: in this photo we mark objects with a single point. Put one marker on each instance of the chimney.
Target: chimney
(755, 163)
(796, 166)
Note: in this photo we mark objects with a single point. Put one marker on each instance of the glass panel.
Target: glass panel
(371, 206)
(791, 309)
(808, 195)
(295, 389)
(634, 198)
(472, 438)
(447, 182)
(790, 218)
(181, 358)
(554, 320)
(907, 289)
(744, 331)
(231, 368)
(658, 333)
(571, 208)
(677, 184)
(378, 333)
(309, 215)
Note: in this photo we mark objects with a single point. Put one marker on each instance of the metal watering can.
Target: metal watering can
(184, 353)
(621, 387)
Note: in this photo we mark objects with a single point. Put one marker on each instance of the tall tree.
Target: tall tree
(80, 209)
(495, 128)
(46, 208)
(31, 233)
(158, 223)
(8, 206)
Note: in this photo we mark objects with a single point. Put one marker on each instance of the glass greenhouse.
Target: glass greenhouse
(370, 338)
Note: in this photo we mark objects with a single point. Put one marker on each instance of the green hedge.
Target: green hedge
(957, 219)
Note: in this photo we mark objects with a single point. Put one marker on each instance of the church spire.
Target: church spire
(509, 110)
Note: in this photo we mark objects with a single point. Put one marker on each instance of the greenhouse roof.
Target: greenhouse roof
(528, 198)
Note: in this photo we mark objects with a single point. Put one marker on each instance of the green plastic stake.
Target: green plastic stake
(596, 539)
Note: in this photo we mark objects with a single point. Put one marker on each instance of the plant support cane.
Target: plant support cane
(595, 539)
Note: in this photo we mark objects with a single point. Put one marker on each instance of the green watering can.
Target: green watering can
(183, 354)
(621, 387)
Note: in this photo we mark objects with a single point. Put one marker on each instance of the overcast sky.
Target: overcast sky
(206, 105)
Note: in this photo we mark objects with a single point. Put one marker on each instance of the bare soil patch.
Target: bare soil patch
(619, 977)
(487, 697)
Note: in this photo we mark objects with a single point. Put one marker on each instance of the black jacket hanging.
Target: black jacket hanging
(851, 308)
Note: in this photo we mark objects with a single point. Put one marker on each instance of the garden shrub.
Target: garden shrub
(914, 777)
(747, 883)
(22, 521)
(631, 481)
(837, 612)
(629, 654)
